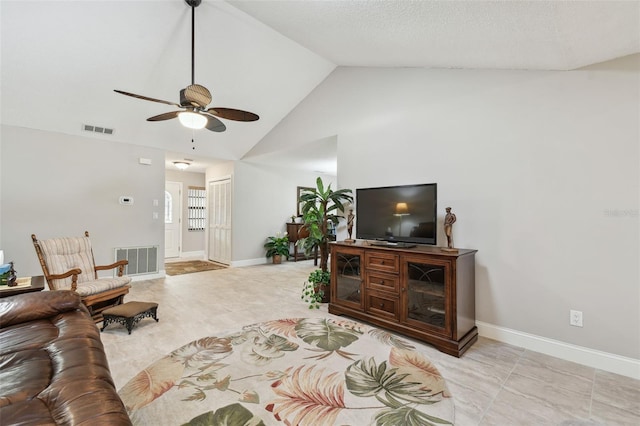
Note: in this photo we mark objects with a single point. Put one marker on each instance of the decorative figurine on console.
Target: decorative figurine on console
(8, 275)
(449, 220)
(350, 218)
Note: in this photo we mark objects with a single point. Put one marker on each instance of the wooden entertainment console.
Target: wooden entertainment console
(422, 292)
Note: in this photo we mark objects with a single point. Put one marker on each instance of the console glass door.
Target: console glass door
(349, 278)
(427, 287)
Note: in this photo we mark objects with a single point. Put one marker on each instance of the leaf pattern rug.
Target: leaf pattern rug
(294, 371)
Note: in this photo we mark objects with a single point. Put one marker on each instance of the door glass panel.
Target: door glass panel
(348, 276)
(426, 293)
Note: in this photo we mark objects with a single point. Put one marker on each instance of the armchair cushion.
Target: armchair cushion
(88, 288)
(64, 254)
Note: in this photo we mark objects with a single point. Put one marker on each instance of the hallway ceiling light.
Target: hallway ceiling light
(181, 164)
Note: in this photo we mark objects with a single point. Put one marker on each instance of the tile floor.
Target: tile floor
(492, 384)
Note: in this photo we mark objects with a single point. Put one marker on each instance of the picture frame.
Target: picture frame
(299, 192)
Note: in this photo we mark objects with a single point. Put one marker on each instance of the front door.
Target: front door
(172, 218)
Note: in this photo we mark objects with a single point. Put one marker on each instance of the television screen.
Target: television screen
(405, 213)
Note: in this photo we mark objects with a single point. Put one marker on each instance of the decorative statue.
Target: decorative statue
(350, 218)
(449, 220)
(12, 276)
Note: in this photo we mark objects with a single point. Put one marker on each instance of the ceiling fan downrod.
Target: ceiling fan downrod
(193, 4)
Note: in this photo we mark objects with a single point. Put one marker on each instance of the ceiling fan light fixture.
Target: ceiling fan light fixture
(181, 164)
(192, 120)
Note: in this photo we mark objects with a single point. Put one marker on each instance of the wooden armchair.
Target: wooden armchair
(68, 264)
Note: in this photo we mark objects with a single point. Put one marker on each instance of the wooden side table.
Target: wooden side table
(37, 284)
(295, 233)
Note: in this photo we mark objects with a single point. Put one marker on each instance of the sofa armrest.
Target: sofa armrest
(33, 306)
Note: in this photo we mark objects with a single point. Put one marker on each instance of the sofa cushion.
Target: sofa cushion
(53, 368)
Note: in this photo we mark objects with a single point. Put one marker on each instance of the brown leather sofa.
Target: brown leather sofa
(53, 368)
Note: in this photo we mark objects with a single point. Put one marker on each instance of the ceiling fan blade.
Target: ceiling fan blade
(214, 124)
(165, 116)
(145, 98)
(233, 114)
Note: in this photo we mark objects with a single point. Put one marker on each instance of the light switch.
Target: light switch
(155, 215)
(155, 203)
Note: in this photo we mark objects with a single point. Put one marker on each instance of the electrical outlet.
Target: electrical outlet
(575, 318)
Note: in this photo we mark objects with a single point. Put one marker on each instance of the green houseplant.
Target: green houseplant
(320, 206)
(315, 288)
(277, 246)
(319, 212)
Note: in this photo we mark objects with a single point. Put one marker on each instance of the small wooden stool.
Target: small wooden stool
(129, 314)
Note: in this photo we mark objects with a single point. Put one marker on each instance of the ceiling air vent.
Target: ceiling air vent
(97, 129)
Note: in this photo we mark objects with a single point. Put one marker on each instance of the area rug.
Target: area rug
(190, 266)
(295, 371)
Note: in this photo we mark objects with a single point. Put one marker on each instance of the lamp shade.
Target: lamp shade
(192, 120)
(402, 209)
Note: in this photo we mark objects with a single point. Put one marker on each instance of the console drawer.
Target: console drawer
(383, 282)
(382, 261)
(382, 304)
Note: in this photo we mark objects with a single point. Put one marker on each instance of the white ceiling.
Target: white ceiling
(61, 60)
(541, 35)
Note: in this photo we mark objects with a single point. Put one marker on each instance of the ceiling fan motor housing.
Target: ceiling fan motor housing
(195, 95)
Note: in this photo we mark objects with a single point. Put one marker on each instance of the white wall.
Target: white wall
(541, 169)
(56, 185)
(264, 198)
(192, 241)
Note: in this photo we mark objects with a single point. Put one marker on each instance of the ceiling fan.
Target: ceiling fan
(194, 98)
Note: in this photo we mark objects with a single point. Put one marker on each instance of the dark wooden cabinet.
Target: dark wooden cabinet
(295, 232)
(422, 292)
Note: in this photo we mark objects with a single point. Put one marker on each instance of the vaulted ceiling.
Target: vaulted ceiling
(61, 60)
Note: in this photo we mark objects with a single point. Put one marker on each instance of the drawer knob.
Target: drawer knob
(382, 305)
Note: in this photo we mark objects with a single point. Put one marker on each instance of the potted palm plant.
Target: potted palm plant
(320, 207)
(277, 246)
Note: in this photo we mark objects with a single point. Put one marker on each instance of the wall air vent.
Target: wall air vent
(97, 129)
(142, 260)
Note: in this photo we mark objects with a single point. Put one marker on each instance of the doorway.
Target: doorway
(220, 221)
(172, 219)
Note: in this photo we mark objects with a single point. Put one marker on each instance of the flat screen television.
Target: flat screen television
(406, 213)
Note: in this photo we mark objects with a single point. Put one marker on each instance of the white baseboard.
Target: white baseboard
(625, 366)
(248, 262)
(142, 277)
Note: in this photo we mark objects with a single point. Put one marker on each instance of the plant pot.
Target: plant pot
(277, 259)
(326, 298)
